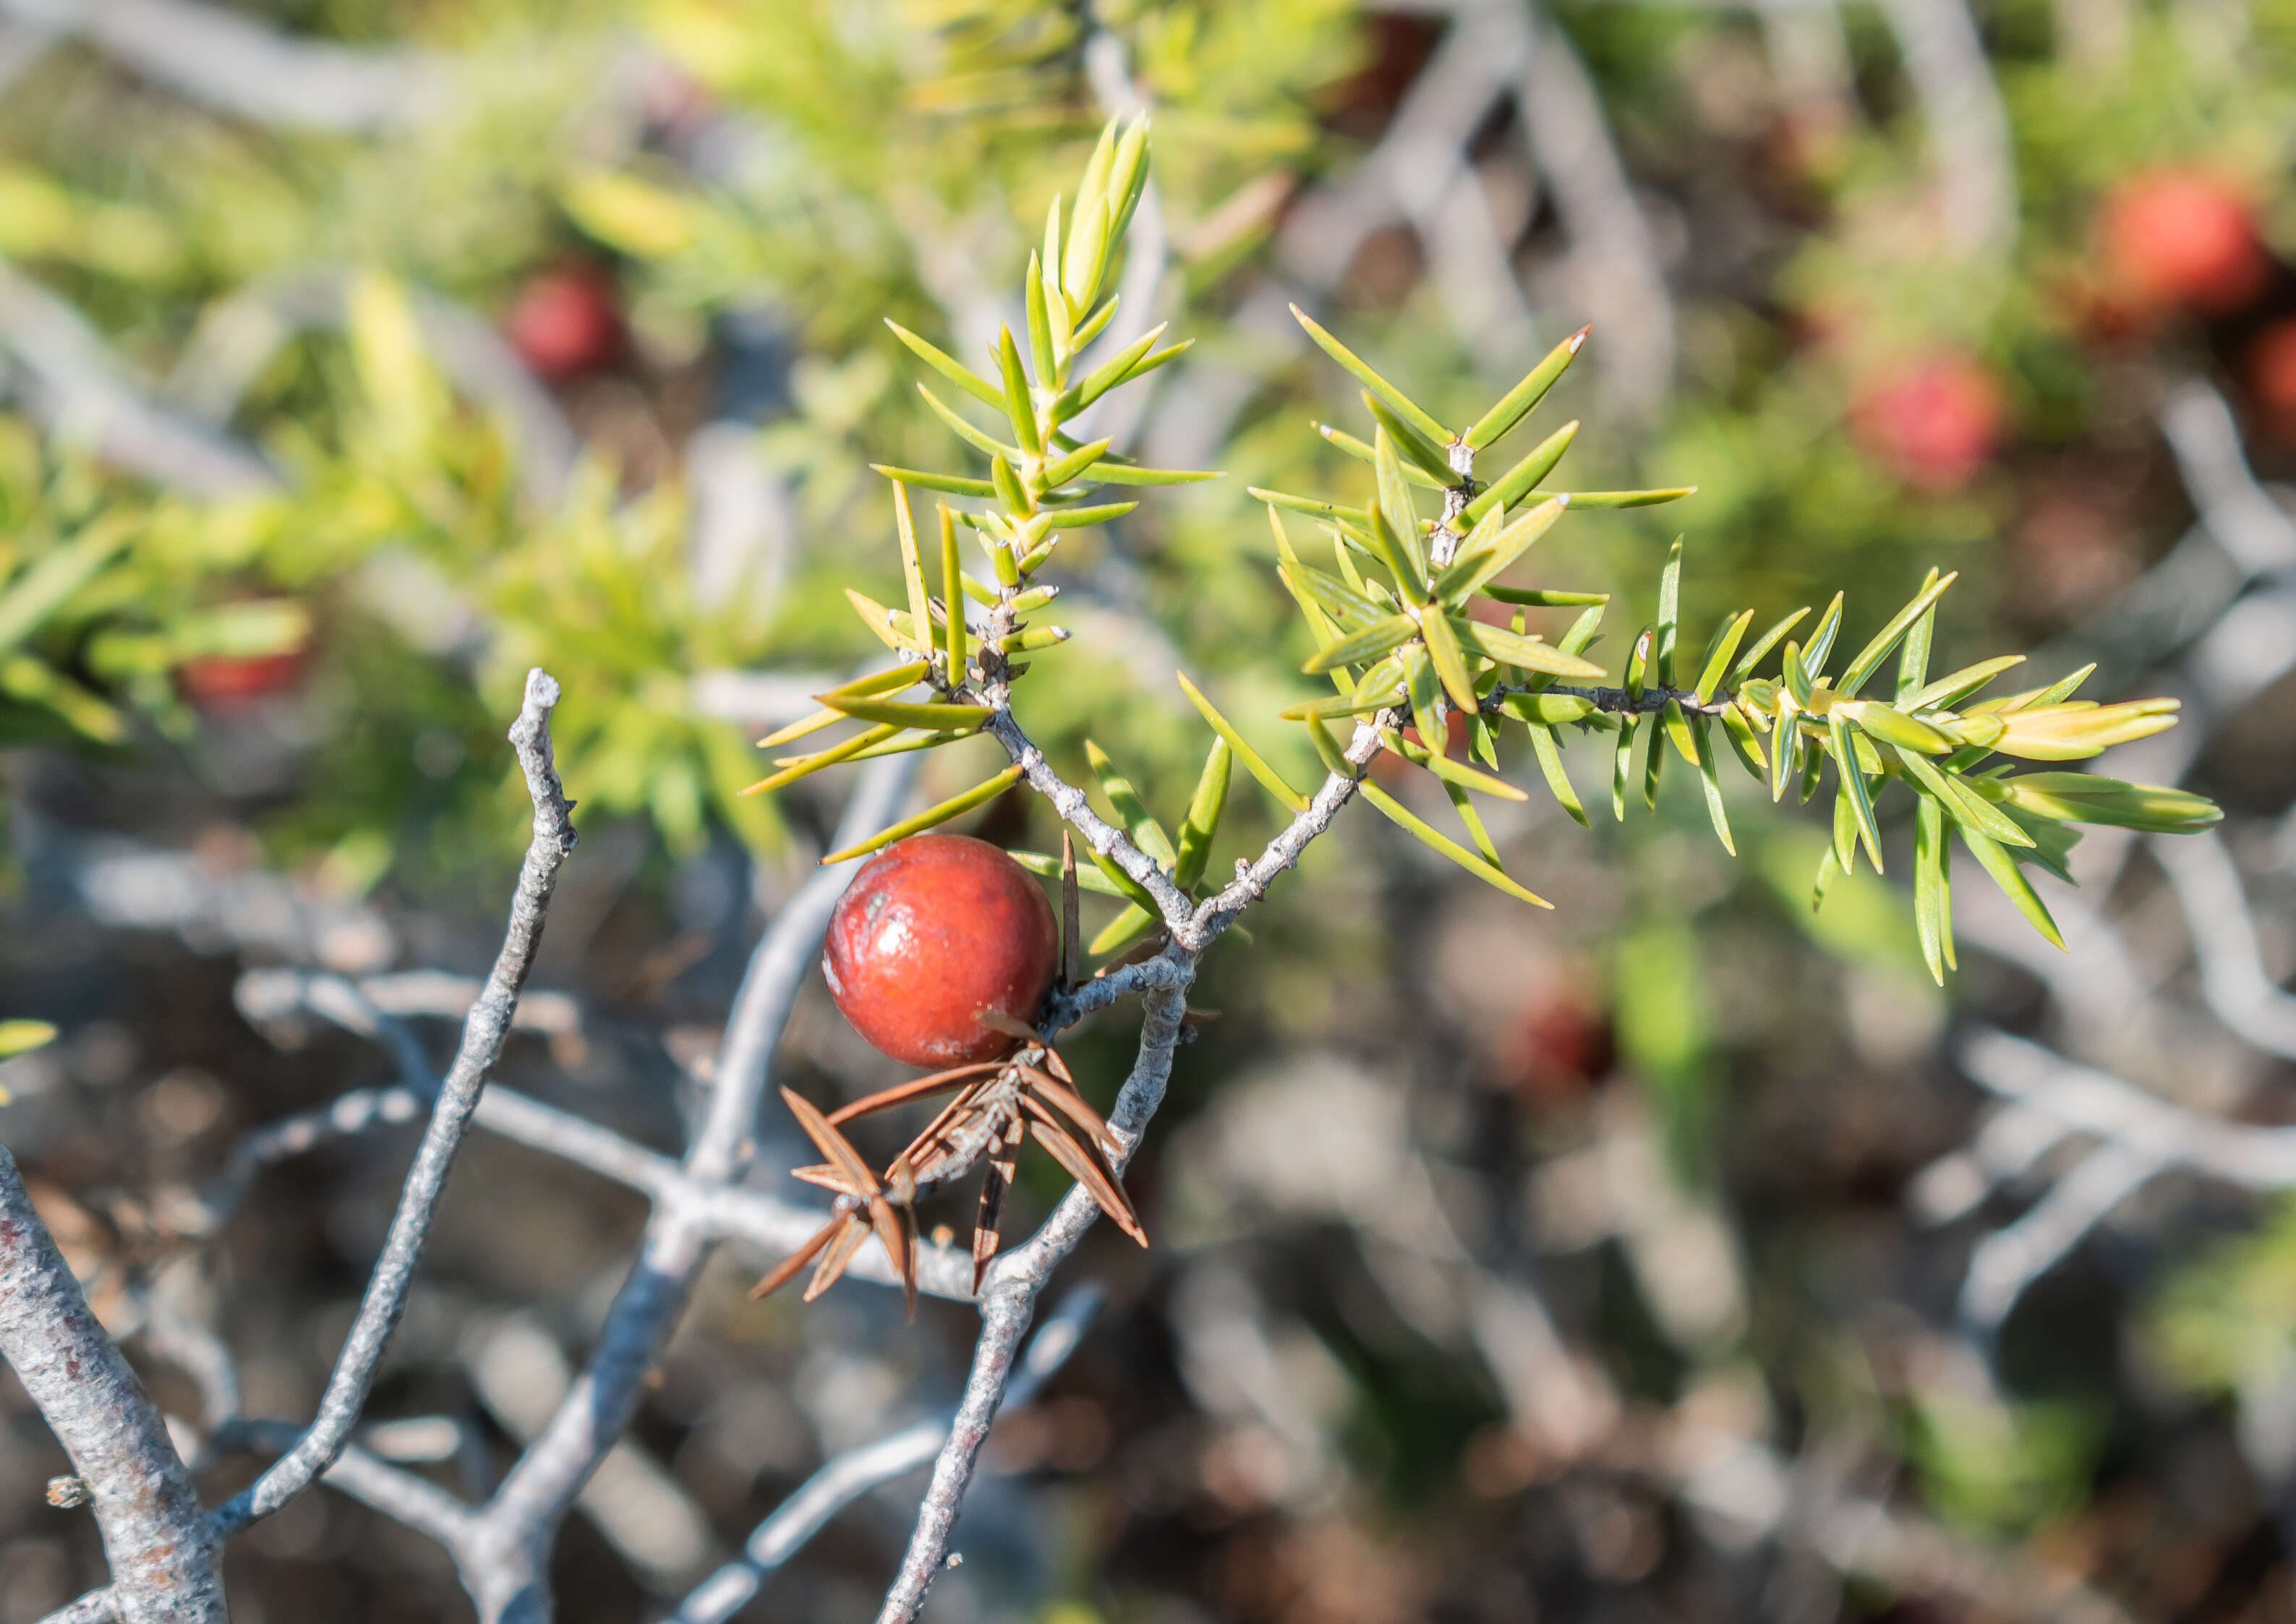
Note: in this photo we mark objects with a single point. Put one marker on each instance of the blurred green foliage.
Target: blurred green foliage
(2225, 1323)
(104, 598)
(2001, 1468)
(823, 164)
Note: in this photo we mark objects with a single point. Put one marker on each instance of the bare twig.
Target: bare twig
(411, 993)
(2140, 1137)
(1008, 1301)
(1967, 125)
(2014, 1137)
(521, 1374)
(2223, 597)
(1076, 810)
(175, 1332)
(852, 1474)
(2233, 977)
(96, 1607)
(1253, 879)
(373, 1482)
(2011, 1258)
(1962, 110)
(2234, 645)
(80, 390)
(1448, 98)
(2092, 1102)
(1809, 57)
(161, 1551)
(483, 1035)
(505, 1563)
(269, 995)
(1419, 170)
(730, 1210)
(1619, 281)
(1073, 1004)
(236, 65)
(491, 1017)
(2246, 522)
(1914, 1554)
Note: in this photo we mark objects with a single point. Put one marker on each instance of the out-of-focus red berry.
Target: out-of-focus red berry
(564, 321)
(223, 682)
(2181, 237)
(1558, 1047)
(1934, 421)
(934, 930)
(2271, 367)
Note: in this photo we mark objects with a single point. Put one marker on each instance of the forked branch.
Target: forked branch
(162, 1552)
(484, 1031)
(141, 1465)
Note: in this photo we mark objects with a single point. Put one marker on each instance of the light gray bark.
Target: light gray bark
(161, 1551)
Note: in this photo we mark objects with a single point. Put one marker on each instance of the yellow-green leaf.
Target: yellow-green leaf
(800, 767)
(2013, 884)
(1131, 811)
(1269, 778)
(1933, 886)
(1198, 828)
(1439, 841)
(955, 485)
(1517, 403)
(1514, 649)
(1520, 480)
(930, 817)
(949, 368)
(1449, 660)
(1550, 763)
(1403, 404)
(905, 713)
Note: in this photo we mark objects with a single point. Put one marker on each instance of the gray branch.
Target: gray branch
(1618, 279)
(1253, 879)
(1070, 1006)
(1968, 128)
(1009, 1300)
(2139, 1137)
(373, 1482)
(2089, 1100)
(2233, 977)
(506, 1560)
(483, 1035)
(2009, 1260)
(730, 1211)
(272, 994)
(852, 1474)
(236, 65)
(2252, 528)
(1075, 810)
(1420, 171)
(74, 383)
(160, 1549)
